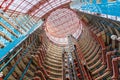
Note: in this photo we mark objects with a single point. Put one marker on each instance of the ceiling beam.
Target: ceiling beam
(36, 6)
(8, 5)
(17, 7)
(66, 5)
(2, 3)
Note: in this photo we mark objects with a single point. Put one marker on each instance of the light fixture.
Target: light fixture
(113, 37)
(1, 74)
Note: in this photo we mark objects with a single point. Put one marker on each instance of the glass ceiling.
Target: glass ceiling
(36, 8)
(61, 23)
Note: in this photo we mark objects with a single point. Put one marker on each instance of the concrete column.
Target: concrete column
(115, 68)
(109, 61)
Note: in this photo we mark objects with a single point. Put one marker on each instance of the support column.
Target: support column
(109, 61)
(115, 68)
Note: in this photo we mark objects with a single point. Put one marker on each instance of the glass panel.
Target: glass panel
(22, 6)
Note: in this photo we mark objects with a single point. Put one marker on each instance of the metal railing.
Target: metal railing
(28, 65)
(18, 61)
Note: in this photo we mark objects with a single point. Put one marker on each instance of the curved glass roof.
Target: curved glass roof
(34, 8)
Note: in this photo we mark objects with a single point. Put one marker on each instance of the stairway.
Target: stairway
(53, 62)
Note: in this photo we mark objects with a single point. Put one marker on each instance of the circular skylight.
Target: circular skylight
(60, 23)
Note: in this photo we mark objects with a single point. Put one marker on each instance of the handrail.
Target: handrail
(40, 65)
(8, 29)
(101, 42)
(103, 20)
(5, 36)
(10, 60)
(10, 23)
(43, 77)
(21, 25)
(28, 65)
(18, 61)
(109, 24)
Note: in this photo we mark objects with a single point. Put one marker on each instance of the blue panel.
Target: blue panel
(16, 41)
(105, 7)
